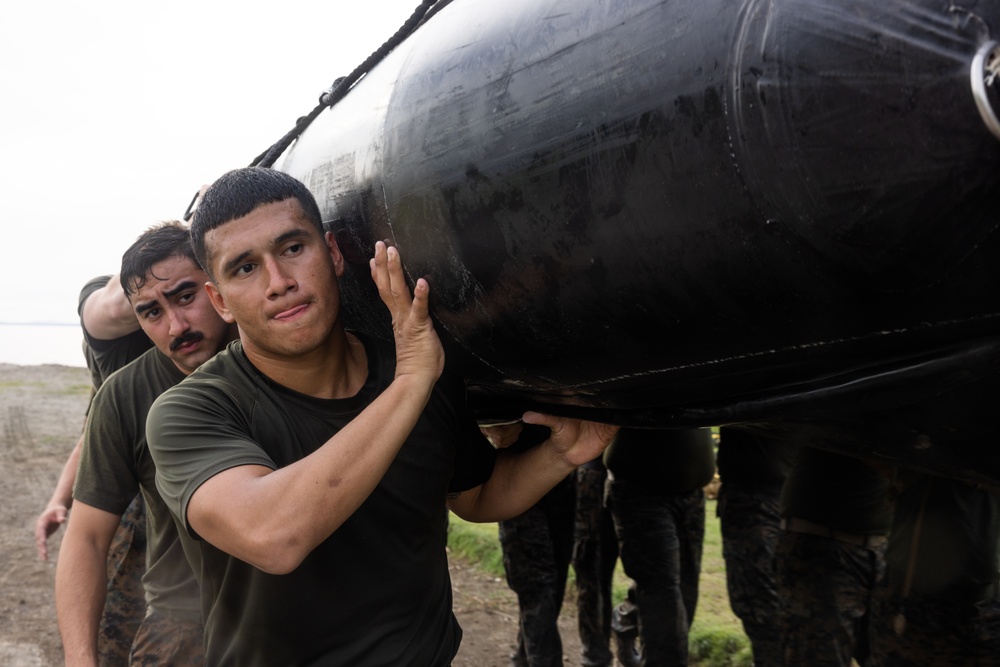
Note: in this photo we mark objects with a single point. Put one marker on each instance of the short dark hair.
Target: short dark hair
(159, 242)
(237, 193)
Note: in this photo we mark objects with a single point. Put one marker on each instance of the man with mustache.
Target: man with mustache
(165, 287)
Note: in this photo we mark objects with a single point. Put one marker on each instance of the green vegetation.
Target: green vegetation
(717, 646)
(55, 387)
(716, 639)
(476, 543)
(16, 384)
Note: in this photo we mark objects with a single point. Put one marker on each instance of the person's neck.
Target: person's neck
(337, 369)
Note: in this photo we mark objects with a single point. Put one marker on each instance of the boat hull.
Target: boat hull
(687, 213)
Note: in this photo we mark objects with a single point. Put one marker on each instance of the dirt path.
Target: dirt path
(42, 411)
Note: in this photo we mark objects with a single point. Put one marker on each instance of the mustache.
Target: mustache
(189, 337)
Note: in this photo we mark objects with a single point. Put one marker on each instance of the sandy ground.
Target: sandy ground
(42, 410)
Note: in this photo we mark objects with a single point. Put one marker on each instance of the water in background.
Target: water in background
(33, 344)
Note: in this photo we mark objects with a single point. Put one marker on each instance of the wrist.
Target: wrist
(53, 505)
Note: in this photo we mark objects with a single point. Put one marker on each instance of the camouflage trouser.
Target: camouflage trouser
(595, 550)
(125, 604)
(919, 631)
(826, 588)
(750, 523)
(537, 547)
(660, 538)
(164, 641)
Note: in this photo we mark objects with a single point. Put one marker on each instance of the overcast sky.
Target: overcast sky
(113, 113)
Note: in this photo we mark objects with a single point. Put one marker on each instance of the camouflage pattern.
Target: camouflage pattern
(826, 587)
(750, 519)
(930, 631)
(661, 537)
(537, 547)
(163, 641)
(125, 602)
(595, 551)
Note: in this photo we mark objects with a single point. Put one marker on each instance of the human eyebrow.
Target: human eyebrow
(141, 308)
(183, 287)
(229, 266)
(290, 235)
(234, 262)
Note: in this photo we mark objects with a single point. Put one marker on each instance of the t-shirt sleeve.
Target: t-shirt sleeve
(107, 356)
(107, 477)
(104, 357)
(92, 286)
(195, 431)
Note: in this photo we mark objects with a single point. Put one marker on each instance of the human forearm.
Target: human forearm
(107, 313)
(81, 585)
(63, 493)
(274, 518)
(519, 480)
(55, 511)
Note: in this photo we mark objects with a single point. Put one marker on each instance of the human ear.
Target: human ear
(218, 302)
(335, 254)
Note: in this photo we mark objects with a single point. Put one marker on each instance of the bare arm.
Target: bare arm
(54, 514)
(274, 518)
(107, 314)
(81, 581)
(520, 479)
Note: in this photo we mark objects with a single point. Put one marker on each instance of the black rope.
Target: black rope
(342, 85)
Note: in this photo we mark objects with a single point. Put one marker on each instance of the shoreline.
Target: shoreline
(41, 344)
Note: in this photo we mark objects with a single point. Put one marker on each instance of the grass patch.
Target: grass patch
(716, 639)
(713, 596)
(718, 646)
(16, 384)
(75, 389)
(476, 543)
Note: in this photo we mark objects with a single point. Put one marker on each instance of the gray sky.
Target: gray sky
(113, 113)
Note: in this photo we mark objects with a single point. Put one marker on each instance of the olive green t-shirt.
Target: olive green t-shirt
(104, 357)
(115, 465)
(377, 591)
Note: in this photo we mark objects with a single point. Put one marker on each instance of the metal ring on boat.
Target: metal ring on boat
(985, 70)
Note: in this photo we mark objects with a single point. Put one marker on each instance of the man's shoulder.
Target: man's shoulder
(128, 393)
(229, 366)
(150, 370)
(225, 374)
(223, 395)
(104, 357)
